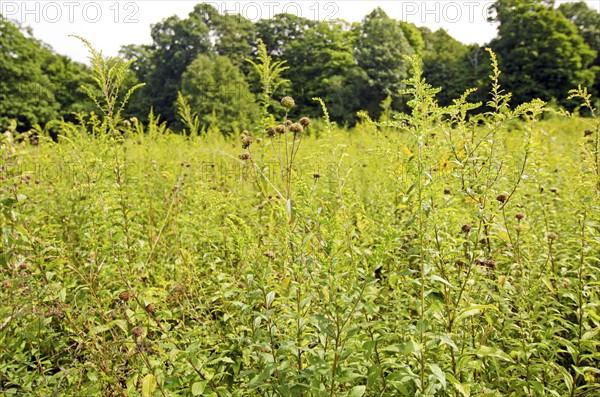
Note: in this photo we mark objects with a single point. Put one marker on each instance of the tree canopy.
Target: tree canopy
(36, 85)
(218, 92)
(540, 52)
(543, 51)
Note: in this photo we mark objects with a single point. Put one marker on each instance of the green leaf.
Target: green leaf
(373, 375)
(62, 295)
(411, 347)
(548, 284)
(198, 388)
(439, 374)
(269, 298)
(591, 334)
(473, 310)
(486, 351)
(441, 280)
(148, 385)
(357, 391)
(463, 389)
(444, 338)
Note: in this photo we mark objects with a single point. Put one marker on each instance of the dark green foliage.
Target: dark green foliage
(379, 48)
(322, 65)
(36, 85)
(587, 22)
(218, 92)
(447, 64)
(176, 43)
(540, 51)
(25, 93)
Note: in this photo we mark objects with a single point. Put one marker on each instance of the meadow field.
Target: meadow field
(432, 254)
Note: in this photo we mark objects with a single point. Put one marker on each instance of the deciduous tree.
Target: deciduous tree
(218, 92)
(541, 53)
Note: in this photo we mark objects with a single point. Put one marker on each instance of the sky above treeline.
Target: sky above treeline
(110, 24)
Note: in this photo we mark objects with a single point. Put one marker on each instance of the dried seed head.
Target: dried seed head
(552, 236)
(466, 228)
(288, 101)
(271, 132)
(502, 197)
(246, 141)
(289, 122)
(519, 228)
(125, 296)
(245, 156)
(150, 307)
(520, 216)
(447, 190)
(280, 129)
(137, 331)
(296, 128)
(587, 132)
(489, 263)
(304, 121)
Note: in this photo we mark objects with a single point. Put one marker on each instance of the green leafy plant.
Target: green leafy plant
(432, 253)
(108, 74)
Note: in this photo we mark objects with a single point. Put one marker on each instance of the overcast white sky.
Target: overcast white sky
(109, 24)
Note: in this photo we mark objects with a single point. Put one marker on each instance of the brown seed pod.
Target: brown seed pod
(466, 228)
(150, 307)
(246, 141)
(271, 132)
(551, 236)
(280, 129)
(489, 263)
(245, 156)
(296, 128)
(502, 197)
(519, 228)
(288, 101)
(304, 121)
(137, 331)
(125, 296)
(520, 216)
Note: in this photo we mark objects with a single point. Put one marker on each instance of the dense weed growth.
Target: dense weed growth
(432, 254)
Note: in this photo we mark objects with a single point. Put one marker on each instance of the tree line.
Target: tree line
(543, 51)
